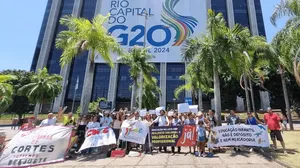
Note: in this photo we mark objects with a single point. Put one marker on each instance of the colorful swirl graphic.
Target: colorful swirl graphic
(183, 25)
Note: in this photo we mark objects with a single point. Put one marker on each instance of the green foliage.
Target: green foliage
(93, 106)
(42, 88)
(83, 35)
(20, 104)
(6, 91)
(151, 93)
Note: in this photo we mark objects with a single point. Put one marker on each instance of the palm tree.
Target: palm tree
(6, 91)
(43, 88)
(137, 60)
(84, 35)
(197, 81)
(150, 94)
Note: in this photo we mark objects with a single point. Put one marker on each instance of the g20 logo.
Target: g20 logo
(141, 29)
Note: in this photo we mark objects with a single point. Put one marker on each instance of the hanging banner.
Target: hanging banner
(173, 135)
(98, 137)
(241, 135)
(134, 131)
(38, 146)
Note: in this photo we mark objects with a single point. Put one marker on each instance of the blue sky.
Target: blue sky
(21, 21)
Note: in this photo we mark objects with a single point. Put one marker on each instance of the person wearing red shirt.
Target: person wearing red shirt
(28, 126)
(273, 122)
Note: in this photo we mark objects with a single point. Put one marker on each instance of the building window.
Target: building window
(174, 71)
(260, 19)
(41, 37)
(240, 9)
(54, 55)
(79, 63)
(101, 81)
(220, 6)
(124, 83)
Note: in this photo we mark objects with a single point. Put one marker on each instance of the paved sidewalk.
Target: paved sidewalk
(168, 160)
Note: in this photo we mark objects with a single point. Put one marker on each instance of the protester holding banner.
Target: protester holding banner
(69, 120)
(148, 121)
(117, 122)
(273, 121)
(93, 123)
(190, 121)
(211, 118)
(233, 119)
(176, 122)
(81, 127)
(162, 120)
(106, 121)
(49, 121)
(29, 125)
(251, 120)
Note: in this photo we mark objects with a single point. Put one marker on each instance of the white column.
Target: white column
(252, 17)
(163, 84)
(230, 13)
(49, 34)
(113, 82)
(65, 71)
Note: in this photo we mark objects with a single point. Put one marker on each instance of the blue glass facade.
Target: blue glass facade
(41, 37)
(124, 82)
(260, 19)
(79, 63)
(240, 9)
(174, 71)
(54, 55)
(220, 6)
(101, 81)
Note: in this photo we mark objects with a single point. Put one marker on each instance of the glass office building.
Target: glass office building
(114, 84)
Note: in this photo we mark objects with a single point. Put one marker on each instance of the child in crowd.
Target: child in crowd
(201, 138)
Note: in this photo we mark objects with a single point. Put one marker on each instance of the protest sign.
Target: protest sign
(134, 131)
(183, 108)
(143, 113)
(37, 146)
(193, 108)
(157, 110)
(170, 113)
(152, 112)
(173, 136)
(241, 135)
(98, 137)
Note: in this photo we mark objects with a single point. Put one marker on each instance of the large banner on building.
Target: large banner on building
(169, 24)
(134, 131)
(38, 146)
(240, 135)
(173, 136)
(98, 137)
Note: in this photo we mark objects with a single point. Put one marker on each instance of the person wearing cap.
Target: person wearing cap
(200, 117)
(273, 121)
(29, 125)
(106, 121)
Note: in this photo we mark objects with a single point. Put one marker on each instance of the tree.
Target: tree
(20, 104)
(84, 35)
(150, 94)
(43, 88)
(137, 60)
(93, 106)
(197, 81)
(6, 91)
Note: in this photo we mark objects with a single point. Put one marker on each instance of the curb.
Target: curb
(272, 159)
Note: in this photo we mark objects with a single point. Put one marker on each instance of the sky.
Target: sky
(21, 21)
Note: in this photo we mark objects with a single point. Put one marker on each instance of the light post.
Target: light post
(146, 15)
(174, 99)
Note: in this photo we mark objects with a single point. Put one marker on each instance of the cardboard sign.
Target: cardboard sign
(193, 108)
(157, 110)
(152, 112)
(170, 113)
(183, 108)
(173, 135)
(143, 113)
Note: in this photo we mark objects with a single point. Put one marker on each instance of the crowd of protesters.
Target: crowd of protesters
(204, 123)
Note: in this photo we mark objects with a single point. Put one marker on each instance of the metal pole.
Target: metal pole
(73, 100)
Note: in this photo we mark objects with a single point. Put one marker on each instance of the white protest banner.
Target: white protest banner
(157, 110)
(98, 137)
(152, 111)
(37, 146)
(183, 108)
(134, 131)
(143, 113)
(241, 135)
(193, 108)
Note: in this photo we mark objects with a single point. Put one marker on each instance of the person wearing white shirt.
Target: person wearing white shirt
(106, 121)
(93, 124)
(49, 121)
(162, 120)
(175, 122)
